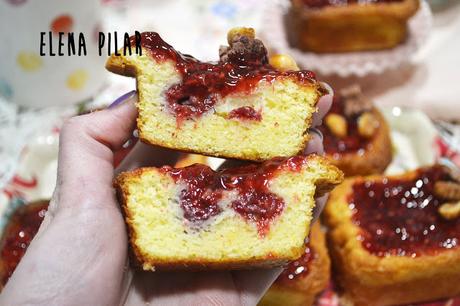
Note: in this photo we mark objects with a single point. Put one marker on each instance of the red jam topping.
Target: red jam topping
(203, 83)
(299, 267)
(20, 231)
(254, 201)
(203, 191)
(323, 3)
(245, 113)
(400, 216)
(352, 142)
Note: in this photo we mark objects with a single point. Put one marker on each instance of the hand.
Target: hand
(79, 256)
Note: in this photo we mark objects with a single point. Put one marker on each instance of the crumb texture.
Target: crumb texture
(160, 234)
(277, 105)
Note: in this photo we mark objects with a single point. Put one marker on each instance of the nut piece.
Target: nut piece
(447, 190)
(240, 31)
(355, 103)
(453, 172)
(367, 125)
(283, 62)
(337, 125)
(351, 91)
(449, 211)
(243, 48)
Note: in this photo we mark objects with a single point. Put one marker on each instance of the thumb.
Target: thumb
(87, 147)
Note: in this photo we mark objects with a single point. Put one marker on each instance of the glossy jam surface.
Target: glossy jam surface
(352, 142)
(400, 217)
(204, 188)
(203, 83)
(20, 231)
(323, 3)
(245, 113)
(299, 267)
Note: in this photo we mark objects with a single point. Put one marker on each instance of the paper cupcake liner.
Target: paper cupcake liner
(346, 64)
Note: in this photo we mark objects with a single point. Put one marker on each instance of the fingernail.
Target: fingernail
(122, 99)
(328, 88)
(317, 132)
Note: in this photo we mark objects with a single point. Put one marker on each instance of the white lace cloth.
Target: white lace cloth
(16, 129)
(20, 126)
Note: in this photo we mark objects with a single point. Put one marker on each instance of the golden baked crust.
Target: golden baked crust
(372, 280)
(285, 106)
(147, 215)
(376, 157)
(352, 27)
(302, 290)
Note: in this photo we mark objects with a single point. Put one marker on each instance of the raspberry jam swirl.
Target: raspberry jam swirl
(400, 216)
(18, 234)
(203, 84)
(245, 113)
(254, 201)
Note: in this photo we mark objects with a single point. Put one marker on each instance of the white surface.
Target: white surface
(47, 84)
(413, 138)
(434, 84)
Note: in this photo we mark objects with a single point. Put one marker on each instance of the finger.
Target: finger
(182, 288)
(252, 284)
(86, 154)
(121, 154)
(319, 206)
(324, 104)
(315, 144)
(144, 155)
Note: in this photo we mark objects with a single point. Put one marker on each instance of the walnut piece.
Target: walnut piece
(244, 49)
(367, 124)
(450, 211)
(354, 102)
(337, 125)
(241, 31)
(453, 172)
(283, 62)
(447, 190)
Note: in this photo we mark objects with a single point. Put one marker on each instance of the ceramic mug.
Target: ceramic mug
(29, 74)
